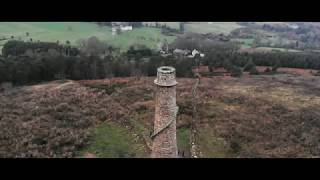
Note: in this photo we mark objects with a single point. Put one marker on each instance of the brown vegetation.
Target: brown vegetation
(264, 116)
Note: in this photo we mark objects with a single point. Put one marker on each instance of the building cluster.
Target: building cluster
(183, 52)
(120, 26)
(187, 53)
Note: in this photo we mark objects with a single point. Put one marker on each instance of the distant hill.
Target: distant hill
(248, 34)
(73, 31)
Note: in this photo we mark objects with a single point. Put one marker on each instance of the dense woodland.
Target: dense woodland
(32, 62)
(52, 62)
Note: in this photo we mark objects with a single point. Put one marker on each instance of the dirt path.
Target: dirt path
(195, 150)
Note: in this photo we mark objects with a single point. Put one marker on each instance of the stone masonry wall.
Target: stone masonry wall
(165, 142)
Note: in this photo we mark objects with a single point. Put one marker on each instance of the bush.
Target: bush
(16, 48)
(276, 66)
(267, 70)
(253, 71)
(236, 71)
(249, 65)
(228, 65)
(235, 146)
(109, 89)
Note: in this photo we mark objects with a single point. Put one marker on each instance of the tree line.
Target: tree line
(285, 59)
(18, 48)
(21, 68)
(24, 69)
(95, 60)
(217, 52)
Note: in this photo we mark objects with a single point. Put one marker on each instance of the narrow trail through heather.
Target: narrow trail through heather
(195, 151)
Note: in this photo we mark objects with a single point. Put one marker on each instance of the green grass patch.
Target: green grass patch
(245, 43)
(183, 139)
(185, 107)
(111, 140)
(109, 89)
(203, 27)
(212, 146)
(277, 49)
(149, 37)
(211, 109)
(214, 27)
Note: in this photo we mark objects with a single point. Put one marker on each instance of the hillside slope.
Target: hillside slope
(262, 116)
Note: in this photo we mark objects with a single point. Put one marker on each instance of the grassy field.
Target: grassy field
(151, 37)
(212, 27)
(204, 27)
(268, 49)
(72, 31)
(245, 43)
(272, 23)
(277, 49)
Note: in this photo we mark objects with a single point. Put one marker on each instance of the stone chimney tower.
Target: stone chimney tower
(164, 135)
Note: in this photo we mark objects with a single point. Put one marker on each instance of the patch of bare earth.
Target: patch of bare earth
(89, 155)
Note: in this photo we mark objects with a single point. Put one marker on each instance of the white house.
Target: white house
(126, 28)
(194, 52)
(181, 52)
(293, 26)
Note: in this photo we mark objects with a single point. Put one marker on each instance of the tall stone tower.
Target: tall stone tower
(164, 136)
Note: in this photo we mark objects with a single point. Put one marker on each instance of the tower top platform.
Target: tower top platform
(166, 76)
